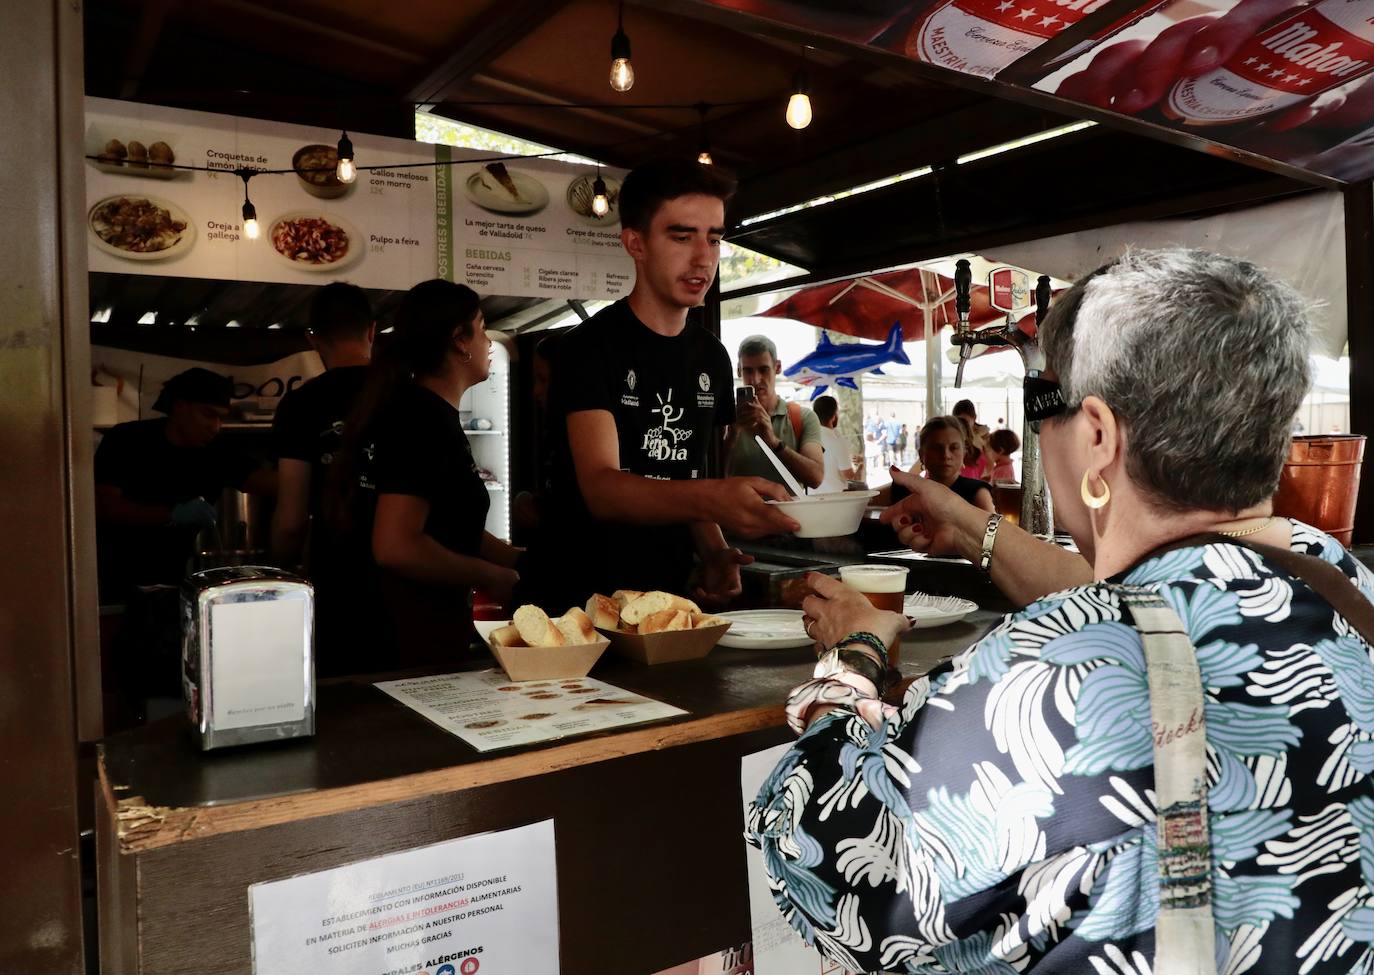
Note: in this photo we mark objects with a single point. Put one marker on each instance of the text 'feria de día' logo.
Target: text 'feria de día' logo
(665, 442)
(704, 381)
(631, 380)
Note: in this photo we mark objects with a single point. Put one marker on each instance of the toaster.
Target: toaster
(247, 655)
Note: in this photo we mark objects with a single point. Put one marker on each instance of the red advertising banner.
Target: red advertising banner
(1291, 80)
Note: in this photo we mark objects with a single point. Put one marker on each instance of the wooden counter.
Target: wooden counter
(648, 819)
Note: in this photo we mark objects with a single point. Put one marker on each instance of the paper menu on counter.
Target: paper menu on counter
(489, 711)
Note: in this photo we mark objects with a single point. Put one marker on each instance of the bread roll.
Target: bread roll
(666, 620)
(536, 629)
(623, 596)
(506, 636)
(655, 602)
(604, 612)
(701, 620)
(576, 627)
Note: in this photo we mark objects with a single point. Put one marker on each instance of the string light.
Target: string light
(799, 105)
(250, 212)
(346, 171)
(704, 153)
(601, 203)
(622, 72)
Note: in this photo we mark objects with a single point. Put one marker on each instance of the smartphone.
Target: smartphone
(744, 394)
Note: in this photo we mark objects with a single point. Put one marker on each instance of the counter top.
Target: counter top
(370, 749)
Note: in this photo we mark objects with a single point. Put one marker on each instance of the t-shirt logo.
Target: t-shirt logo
(630, 380)
(704, 381)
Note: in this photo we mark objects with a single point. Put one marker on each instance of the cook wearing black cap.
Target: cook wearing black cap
(154, 480)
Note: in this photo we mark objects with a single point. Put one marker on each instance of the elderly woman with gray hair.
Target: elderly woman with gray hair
(1163, 762)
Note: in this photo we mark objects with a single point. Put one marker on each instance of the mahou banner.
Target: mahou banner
(1292, 80)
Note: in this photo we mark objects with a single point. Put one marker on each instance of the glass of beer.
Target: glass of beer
(885, 588)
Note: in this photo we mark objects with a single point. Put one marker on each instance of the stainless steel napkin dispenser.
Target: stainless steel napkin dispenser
(247, 655)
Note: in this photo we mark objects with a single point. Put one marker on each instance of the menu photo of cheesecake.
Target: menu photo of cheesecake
(500, 189)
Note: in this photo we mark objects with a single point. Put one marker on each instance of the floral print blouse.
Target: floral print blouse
(1003, 820)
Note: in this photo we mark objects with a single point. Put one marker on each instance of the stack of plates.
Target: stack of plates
(764, 629)
(928, 611)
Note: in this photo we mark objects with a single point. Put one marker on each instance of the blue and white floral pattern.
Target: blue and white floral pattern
(1003, 821)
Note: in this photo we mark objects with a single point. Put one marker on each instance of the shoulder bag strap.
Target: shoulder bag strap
(1327, 581)
(794, 414)
(1185, 940)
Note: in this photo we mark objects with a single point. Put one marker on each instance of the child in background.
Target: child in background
(997, 465)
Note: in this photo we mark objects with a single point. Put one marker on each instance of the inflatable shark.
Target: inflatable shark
(842, 364)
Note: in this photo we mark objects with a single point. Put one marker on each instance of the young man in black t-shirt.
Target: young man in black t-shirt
(639, 400)
(308, 427)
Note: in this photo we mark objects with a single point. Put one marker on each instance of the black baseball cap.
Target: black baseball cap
(195, 385)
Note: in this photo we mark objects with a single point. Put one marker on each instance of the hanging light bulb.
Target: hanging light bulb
(799, 105)
(250, 212)
(250, 221)
(601, 203)
(704, 154)
(346, 171)
(622, 71)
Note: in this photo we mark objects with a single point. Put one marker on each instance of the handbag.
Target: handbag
(1185, 939)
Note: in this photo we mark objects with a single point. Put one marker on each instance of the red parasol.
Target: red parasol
(921, 299)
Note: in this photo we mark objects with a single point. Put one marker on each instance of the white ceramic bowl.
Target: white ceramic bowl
(827, 515)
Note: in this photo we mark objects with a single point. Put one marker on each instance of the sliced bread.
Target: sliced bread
(536, 629)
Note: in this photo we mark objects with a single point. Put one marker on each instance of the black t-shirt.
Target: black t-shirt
(669, 396)
(966, 487)
(416, 445)
(148, 468)
(309, 423)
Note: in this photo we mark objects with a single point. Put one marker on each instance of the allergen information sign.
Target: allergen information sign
(487, 902)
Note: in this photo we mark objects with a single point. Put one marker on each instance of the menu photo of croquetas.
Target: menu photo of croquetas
(147, 155)
(140, 228)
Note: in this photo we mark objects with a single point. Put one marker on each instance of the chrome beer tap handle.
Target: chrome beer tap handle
(963, 336)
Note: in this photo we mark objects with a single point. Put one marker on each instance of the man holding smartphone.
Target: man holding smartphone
(789, 431)
(638, 400)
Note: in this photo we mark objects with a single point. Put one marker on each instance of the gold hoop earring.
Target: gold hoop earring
(1094, 501)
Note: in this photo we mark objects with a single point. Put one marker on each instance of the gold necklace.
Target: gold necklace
(1250, 531)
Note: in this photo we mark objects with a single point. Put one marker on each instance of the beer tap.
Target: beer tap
(963, 285)
(1036, 515)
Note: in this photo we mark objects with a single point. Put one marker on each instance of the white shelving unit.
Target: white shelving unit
(491, 448)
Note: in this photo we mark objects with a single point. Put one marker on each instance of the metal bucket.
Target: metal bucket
(1320, 481)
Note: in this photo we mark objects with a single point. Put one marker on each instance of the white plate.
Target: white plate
(928, 611)
(357, 244)
(182, 244)
(580, 189)
(764, 629)
(483, 189)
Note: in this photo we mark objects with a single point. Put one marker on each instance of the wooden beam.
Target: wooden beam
(498, 30)
(1359, 300)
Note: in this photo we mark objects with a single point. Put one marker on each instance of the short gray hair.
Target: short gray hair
(1202, 357)
(757, 345)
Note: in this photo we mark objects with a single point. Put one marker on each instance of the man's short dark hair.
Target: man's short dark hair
(825, 408)
(964, 408)
(340, 311)
(653, 184)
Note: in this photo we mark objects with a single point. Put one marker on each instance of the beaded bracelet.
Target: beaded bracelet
(869, 640)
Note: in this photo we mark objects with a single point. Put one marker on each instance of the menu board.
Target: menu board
(377, 232)
(489, 711)
(526, 227)
(516, 227)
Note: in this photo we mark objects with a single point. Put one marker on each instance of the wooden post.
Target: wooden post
(47, 559)
(1359, 291)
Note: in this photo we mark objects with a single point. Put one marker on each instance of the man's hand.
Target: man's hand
(1131, 76)
(741, 509)
(834, 611)
(933, 519)
(753, 419)
(195, 513)
(720, 582)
